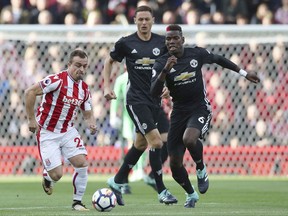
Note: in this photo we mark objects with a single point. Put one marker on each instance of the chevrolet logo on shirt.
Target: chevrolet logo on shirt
(145, 61)
(184, 76)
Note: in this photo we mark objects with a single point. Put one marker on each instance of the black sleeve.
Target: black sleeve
(224, 62)
(117, 53)
(157, 87)
(156, 84)
(210, 58)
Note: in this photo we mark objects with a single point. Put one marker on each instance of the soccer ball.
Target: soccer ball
(104, 200)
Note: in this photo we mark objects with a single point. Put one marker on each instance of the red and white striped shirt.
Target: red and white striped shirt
(61, 101)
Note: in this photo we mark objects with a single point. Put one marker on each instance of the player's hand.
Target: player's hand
(109, 94)
(172, 60)
(252, 77)
(33, 126)
(165, 93)
(93, 129)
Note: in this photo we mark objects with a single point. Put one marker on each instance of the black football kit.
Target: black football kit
(191, 107)
(139, 59)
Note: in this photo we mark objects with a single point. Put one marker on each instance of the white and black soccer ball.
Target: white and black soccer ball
(104, 200)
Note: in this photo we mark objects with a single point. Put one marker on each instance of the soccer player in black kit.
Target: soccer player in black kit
(140, 50)
(180, 70)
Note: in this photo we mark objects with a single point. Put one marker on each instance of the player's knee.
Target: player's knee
(79, 161)
(81, 164)
(141, 146)
(156, 143)
(154, 139)
(190, 142)
(56, 176)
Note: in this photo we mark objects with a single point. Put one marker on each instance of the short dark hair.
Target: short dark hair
(143, 8)
(77, 52)
(174, 27)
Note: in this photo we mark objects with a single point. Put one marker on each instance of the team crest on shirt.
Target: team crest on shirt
(47, 162)
(156, 51)
(194, 63)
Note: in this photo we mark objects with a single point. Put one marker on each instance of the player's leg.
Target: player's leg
(49, 150)
(154, 140)
(128, 133)
(131, 159)
(197, 126)
(194, 146)
(50, 177)
(137, 173)
(134, 153)
(144, 118)
(80, 179)
(163, 126)
(119, 181)
(176, 150)
(180, 175)
(74, 150)
(164, 152)
(137, 149)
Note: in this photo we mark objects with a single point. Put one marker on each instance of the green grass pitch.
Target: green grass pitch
(227, 196)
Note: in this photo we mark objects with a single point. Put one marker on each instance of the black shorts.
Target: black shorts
(163, 122)
(145, 117)
(180, 120)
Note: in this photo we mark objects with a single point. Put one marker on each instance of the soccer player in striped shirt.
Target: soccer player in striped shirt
(63, 94)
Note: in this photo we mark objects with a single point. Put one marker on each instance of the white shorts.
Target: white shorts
(54, 146)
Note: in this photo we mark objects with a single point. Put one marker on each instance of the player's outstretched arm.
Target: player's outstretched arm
(226, 63)
(108, 92)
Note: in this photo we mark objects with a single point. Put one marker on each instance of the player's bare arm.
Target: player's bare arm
(109, 94)
(30, 97)
(252, 77)
(226, 63)
(90, 121)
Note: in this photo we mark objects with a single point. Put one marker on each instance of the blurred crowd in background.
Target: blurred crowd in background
(243, 114)
(94, 12)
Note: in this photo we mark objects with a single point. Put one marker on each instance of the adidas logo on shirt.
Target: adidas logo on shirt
(134, 51)
(172, 70)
